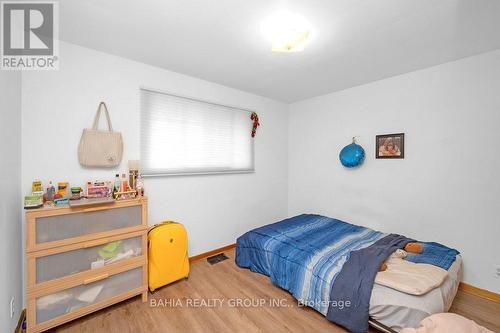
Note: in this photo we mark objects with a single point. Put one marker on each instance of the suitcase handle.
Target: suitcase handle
(160, 224)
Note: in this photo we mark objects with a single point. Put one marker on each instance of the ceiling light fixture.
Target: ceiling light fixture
(287, 32)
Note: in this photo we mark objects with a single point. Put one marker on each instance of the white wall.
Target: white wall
(215, 209)
(10, 199)
(446, 189)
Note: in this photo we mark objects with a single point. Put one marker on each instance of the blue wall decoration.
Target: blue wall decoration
(352, 155)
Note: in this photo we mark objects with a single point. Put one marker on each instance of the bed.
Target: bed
(307, 255)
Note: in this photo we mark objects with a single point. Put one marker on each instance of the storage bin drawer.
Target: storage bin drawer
(93, 291)
(87, 257)
(59, 227)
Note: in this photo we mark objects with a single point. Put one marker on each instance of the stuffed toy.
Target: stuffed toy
(413, 248)
(409, 248)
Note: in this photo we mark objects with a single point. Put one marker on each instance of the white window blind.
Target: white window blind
(181, 135)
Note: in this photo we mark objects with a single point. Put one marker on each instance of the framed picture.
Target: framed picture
(390, 146)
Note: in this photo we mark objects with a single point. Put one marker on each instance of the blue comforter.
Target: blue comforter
(303, 254)
(307, 253)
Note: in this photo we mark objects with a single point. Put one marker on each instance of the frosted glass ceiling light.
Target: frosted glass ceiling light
(287, 32)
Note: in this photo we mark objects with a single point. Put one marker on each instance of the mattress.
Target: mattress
(397, 310)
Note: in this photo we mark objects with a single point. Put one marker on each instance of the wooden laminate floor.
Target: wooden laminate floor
(250, 303)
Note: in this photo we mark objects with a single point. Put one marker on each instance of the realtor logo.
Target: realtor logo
(29, 35)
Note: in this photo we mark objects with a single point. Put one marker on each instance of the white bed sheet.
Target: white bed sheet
(397, 310)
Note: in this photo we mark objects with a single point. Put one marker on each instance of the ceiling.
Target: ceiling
(352, 41)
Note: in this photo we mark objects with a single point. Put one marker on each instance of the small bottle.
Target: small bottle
(139, 184)
(51, 191)
(117, 184)
(132, 179)
(124, 181)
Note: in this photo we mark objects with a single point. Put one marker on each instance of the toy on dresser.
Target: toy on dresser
(98, 189)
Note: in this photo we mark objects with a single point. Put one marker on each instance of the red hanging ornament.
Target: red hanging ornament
(256, 123)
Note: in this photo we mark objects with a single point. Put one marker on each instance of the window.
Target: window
(181, 135)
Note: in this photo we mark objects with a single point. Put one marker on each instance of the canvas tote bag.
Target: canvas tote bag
(100, 148)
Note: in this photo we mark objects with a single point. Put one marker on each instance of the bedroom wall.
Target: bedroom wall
(215, 209)
(10, 199)
(446, 188)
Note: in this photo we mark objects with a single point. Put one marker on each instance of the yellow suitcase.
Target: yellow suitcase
(168, 255)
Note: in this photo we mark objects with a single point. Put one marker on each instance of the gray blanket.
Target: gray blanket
(355, 281)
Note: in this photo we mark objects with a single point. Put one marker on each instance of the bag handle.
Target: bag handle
(102, 106)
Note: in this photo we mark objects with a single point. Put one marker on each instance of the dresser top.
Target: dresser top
(63, 209)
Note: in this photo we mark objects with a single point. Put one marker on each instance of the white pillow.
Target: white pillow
(409, 277)
(447, 322)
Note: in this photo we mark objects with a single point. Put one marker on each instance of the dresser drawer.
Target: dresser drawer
(58, 228)
(76, 258)
(54, 228)
(87, 295)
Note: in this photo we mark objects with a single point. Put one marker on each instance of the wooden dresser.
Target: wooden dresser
(82, 259)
